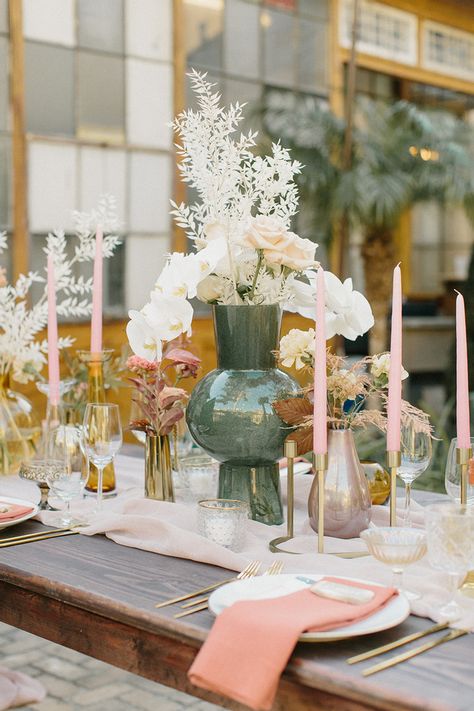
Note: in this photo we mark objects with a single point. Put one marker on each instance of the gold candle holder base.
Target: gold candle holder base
(394, 459)
(96, 394)
(320, 465)
(291, 450)
(463, 457)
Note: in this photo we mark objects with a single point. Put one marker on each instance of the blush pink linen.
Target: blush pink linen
(14, 511)
(252, 641)
(18, 689)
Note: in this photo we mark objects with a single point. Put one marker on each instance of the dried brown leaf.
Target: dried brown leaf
(294, 410)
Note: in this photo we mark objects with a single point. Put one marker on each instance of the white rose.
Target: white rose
(210, 289)
(297, 348)
(381, 366)
(278, 244)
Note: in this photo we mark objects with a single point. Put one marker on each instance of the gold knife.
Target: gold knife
(397, 643)
(34, 534)
(454, 634)
(36, 539)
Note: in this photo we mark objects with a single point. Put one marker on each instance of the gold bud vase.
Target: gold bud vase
(96, 394)
(158, 470)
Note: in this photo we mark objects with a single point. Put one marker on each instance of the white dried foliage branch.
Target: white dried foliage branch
(232, 182)
(20, 322)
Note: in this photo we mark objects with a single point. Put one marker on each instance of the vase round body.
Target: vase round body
(230, 413)
(20, 430)
(346, 492)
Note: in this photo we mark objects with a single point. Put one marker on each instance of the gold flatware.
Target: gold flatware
(454, 634)
(274, 569)
(39, 537)
(467, 587)
(397, 643)
(248, 572)
(34, 534)
(209, 588)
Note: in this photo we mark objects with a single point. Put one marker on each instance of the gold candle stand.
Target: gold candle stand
(291, 450)
(463, 456)
(96, 394)
(393, 462)
(320, 465)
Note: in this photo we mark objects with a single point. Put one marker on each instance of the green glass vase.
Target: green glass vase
(230, 413)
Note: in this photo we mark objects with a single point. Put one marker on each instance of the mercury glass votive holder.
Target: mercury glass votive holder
(199, 476)
(223, 521)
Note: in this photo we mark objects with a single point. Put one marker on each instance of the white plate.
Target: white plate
(270, 586)
(299, 468)
(20, 502)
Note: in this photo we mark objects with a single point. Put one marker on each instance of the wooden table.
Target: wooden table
(97, 597)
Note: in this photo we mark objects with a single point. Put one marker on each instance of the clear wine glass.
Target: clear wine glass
(101, 438)
(415, 458)
(450, 538)
(452, 475)
(69, 483)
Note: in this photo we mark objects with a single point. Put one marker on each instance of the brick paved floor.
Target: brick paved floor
(78, 683)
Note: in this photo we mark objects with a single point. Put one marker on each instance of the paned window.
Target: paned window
(383, 31)
(448, 50)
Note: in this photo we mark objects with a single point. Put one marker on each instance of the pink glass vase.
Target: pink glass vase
(346, 493)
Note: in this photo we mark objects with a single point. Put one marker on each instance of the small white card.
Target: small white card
(341, 592)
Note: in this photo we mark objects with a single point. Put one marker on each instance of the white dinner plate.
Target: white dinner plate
(271, 586)
(299, 468)
(20, 502)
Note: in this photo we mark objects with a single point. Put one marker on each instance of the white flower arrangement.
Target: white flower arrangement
(21, 353)
(246, 253)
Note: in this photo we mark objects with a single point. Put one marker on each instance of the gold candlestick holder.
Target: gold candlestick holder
(291, 450)
(96, 394)
(463, 456)
(394, 459)
(320, 465)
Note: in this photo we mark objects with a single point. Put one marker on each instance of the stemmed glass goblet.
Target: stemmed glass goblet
(67, 485)
(452, 476)
(450, 537)
(102, 439)
(415, 458)
(398, 547)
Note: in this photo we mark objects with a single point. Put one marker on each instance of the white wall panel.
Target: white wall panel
(52, 185)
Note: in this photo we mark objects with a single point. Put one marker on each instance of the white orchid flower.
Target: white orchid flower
(143, 340)
(348, 312)
(182, 273)
(162, 319)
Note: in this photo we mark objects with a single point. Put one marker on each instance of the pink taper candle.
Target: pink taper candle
(320, 432)
(462, 379)
(395, 374)
(53, 353)
(96, 323)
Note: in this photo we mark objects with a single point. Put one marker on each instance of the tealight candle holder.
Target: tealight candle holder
(223, 521)
(394, 460)
(96, 394)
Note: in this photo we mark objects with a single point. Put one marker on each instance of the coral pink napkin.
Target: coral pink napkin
(251, 641)
(17, 689)
(13, 511)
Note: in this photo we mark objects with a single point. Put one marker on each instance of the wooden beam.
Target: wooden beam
(405, 71)
(179, 102)
(20, 246)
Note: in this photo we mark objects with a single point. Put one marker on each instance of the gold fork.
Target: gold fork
(275, 569)
(209, 588)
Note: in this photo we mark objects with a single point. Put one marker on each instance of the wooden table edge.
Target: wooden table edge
(318, 679)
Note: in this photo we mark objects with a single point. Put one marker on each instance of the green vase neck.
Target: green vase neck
(246, 336)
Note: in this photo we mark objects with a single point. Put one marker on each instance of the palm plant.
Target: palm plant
(401, 155)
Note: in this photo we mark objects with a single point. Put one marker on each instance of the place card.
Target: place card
(341, 592)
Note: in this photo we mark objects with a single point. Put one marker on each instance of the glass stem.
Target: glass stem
(407, 503)
(397, 578)
(453, 582)
(100, 483)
